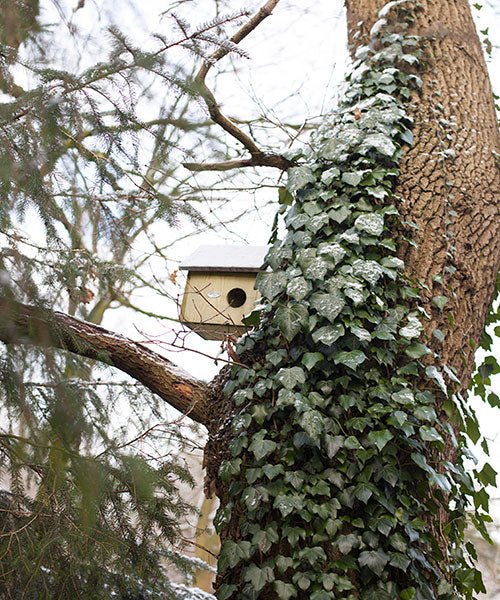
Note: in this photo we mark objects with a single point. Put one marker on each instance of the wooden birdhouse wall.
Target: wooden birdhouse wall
(215, 303)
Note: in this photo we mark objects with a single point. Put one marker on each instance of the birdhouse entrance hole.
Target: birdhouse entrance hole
(236, 297)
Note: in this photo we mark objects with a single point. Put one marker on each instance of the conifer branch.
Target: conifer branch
(31, 325)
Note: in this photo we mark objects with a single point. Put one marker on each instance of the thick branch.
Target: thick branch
(214, 109)
(23, 324)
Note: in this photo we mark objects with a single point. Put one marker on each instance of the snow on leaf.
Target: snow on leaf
(351, 359)
(291, 377)
(380, 142)
(369, 270)
(271, 284)
(413, 329)
(299, 177)
(370, 223)
(327, 305)
(298, 288)
(334, 252)
(352, 178)
(329, 334)
(433, 373)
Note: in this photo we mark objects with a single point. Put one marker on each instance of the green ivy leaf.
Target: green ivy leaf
(329, 334)
(352, 359)
(327, 305)
(487, 475)
(417, 350)
(375, 560)
(430, 434)
(271, 284)
(284, 590)
(262, 448)
(373, 224)
(310, 359)
(299, 177)
(286, 504)
(291, 377)
(440, 301)
(258, 577)
(291, 319)
(284, 196)
(352, 178)
(380, 438)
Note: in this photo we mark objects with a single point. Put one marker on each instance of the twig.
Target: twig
(258, 157)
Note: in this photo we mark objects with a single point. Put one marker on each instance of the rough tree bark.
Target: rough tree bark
(449, 186)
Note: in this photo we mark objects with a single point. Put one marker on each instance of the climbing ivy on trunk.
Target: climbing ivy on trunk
(337, 481)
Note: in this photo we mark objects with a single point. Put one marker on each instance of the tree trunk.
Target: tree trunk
(447, 190)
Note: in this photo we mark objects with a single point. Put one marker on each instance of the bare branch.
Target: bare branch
(24, 324)
(258, 157)
(257, 160)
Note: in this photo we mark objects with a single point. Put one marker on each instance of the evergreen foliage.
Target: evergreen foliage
(83, 176)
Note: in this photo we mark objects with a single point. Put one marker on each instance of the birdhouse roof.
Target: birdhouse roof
(233, 259)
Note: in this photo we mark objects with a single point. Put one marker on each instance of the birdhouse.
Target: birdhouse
(220, 289)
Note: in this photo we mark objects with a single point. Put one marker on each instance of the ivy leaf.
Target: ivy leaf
(379, 142)
(413, 329)
(352, 443)
(291, 319)
(286, 504)
(361, 333)
(369, 270)
(312, 423)
(352, 178)
(417, 350)
(226, 590)
(372, 224)
(284, 590)
(291, 377)
(310, 359)
(329, 334)
(487, 475)
(258, 577)
(346, 543)
(404, 396)
(283, 563)
(271, 284)
(363, 492)
(312, 555)
(298, 288)
(380, 438)
(327, 305)
(333, 444)
(440, 301)
(299, 177)
(433, 373)
(430, 434)
(284, 196)
(339, 215)
(399, 560)
(375, 560)
(329, 175)
(351, 359)
(271, 471)
(262, 448)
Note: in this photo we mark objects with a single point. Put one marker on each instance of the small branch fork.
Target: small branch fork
(258, 158)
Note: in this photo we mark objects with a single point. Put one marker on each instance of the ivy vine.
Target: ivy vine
(334, 478)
